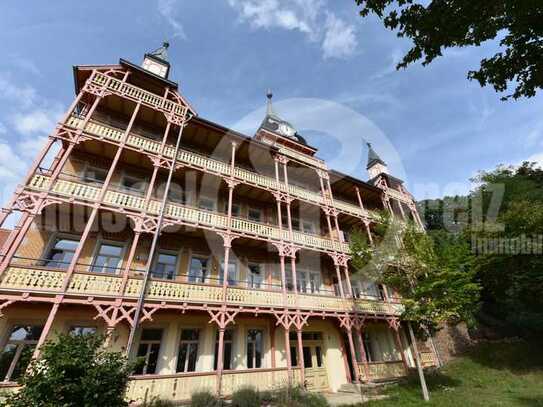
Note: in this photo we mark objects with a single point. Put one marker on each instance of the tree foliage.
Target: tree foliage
(439, 24)
(502, 221)
(74, 371)
(431, 272)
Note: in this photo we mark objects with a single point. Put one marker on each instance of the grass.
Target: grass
(491, 374)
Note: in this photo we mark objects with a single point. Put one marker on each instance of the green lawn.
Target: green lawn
(493, 374)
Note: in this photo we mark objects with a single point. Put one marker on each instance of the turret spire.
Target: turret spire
(269, 107)
(375, 164)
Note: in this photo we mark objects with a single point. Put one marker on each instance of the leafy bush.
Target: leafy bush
(298, 397)
(158, 402)
(246, 397)
(74, 371)
(204, 399)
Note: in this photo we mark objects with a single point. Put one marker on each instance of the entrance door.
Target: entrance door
(314, 362)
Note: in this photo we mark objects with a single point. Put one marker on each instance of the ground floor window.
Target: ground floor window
(82, 330)
(18, 351)
(188, 350)
(254, 348)
(148, 351)
(227, 353)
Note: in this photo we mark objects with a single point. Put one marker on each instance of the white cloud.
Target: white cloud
(25, 95)
(537, 158)
(36, 121)
(168, 10)
(311, 18)
(339, 39)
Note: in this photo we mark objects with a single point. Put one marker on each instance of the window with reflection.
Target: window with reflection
(227, 353)
(61, 253)
(82, 330)
(232, 277)
(148, 351)
(165, 266)
(108, 258)
(18, 351)
(188, 350)
(198, 269)
(254, 348)
(255, 275)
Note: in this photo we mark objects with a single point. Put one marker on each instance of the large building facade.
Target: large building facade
(222, 260)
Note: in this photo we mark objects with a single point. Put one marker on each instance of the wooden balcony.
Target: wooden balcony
(47, 281)
(186, 214)
(313, 161)
(138, 95)
(204, 163)
(382, 370)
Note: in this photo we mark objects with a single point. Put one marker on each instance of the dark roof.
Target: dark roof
(373, 157)
(273, 123)
(160, 53)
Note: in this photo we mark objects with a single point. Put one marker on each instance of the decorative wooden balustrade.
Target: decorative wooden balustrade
(186, 214)
(208, 164)
(315, 162)
(399, 196)
(382, 370)
(180, 387)
(137, 94)
(39, 280)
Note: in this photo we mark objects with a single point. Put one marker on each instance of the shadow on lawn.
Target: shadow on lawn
(518, 356)
(434, 379)
(530, 401)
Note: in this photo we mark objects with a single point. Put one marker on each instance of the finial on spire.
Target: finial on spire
(166, 44)
(269, 108)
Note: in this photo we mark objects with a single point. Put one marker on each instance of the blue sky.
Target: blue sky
(433, 126)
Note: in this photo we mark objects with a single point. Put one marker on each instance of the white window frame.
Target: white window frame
(225, 341)
(99, 243)
(207, 274)
(169, 253)
(20, 344)
(307, 274)
(51, 245)
(247, 341)
(249, 274)
(189, 343)
(149, 342)
(235, 262)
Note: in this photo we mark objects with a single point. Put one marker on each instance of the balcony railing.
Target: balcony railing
(316, 162)
(382, 370)
(186, 214)
(203, 162)
(30, 278)
(137, 94)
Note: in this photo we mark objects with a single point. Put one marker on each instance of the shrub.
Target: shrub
(204, 399)
(158, 402)
(298, 397)
(246, 397)
(74, 371)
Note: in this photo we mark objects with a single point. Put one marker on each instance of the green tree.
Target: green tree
(74, 371)
(431, 272)
(439, 24)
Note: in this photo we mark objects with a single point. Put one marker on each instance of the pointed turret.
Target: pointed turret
(375, 165)
(157, 61)
(273, 123)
